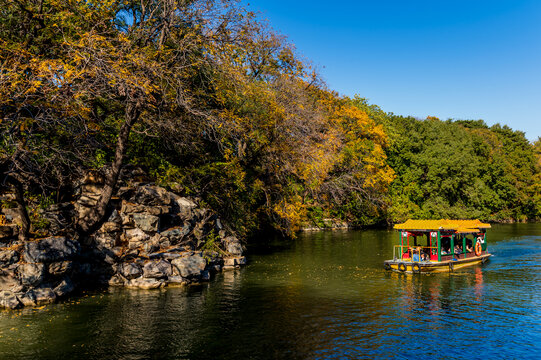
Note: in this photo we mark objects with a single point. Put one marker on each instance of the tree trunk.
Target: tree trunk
(21, 207)
(94, 218)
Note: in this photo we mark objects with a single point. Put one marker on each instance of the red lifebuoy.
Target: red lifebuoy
(478, 249)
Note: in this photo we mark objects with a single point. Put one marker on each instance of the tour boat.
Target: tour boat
(439, 245)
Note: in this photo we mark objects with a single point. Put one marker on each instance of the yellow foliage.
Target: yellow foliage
(292, 211)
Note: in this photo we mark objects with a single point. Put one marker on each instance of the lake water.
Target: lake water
(323, 296)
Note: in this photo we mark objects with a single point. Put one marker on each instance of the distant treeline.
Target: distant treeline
(460, 169)
(209, 101)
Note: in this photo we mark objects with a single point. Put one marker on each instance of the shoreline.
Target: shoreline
(151, 238)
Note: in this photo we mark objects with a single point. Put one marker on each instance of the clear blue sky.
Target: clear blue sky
(457, 59)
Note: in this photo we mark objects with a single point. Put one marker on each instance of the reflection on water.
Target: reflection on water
(323, 296)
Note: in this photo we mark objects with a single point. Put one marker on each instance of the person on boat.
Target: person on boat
(458, 250)
(469, 248)
(445, 251)
(424, 256)
(415, 256)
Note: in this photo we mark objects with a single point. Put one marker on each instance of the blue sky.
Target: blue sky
(455, 59)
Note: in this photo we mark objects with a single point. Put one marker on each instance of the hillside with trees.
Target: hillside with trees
(208, 101)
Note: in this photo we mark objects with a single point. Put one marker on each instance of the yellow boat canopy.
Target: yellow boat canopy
(461, 226)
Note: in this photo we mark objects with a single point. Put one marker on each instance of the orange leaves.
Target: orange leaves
(293, 213)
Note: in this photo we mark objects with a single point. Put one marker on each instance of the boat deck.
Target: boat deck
(409, 266)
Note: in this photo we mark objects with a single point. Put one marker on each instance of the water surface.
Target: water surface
(323, 296)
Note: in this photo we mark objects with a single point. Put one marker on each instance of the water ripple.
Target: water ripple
(325, 296)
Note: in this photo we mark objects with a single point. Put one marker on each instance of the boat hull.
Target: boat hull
(434, 266)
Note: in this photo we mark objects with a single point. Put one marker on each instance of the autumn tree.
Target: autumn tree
(93, 72)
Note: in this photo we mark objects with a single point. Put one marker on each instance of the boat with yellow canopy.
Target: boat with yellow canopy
(439, 245)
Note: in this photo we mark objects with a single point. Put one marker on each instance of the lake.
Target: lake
(322, 296)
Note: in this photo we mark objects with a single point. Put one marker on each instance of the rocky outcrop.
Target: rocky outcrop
(190, 266)
(327, 224)
(51, 249)
(37, 272)
(151, 238)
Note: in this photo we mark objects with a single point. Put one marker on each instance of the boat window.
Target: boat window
(445, 245)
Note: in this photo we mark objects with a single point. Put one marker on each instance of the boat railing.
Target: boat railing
(405, 253)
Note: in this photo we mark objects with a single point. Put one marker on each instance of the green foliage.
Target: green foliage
(36, 204)
(100, 159)
(460, 169)
(212, 244)
(315, 216)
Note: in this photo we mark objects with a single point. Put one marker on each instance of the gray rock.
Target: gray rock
(9, 281)
(130, 270)
(157, 269)
(151, 195)
(59, 268)
(177, 280)
(134, 245)
(136, 235)
(145, 283)
(126, 220)
(130, 255)
(233, 245)
(117, 251)
(146, 222)
(185, 207)
(176, 234)
(110, 227)
(9, 300)
(44, 295)
(50, 249)
(130, 208)
(234, 248)
(114, 217)
(117, 280)
(125, 192)
(8, 257)
(64, 288)
(190, 266)
(107, 256)
(218, 225)
(28, 299)
(106, 240)
(183, 202)
(165, 243)
(200, 214)
(164, 255)
(152, 245)
(31, 274)
(234, 261)
(7, 231)
(12, 215)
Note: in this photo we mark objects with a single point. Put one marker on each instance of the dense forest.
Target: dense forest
(208, 101)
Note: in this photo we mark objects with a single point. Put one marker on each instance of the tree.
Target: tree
(81, 68)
